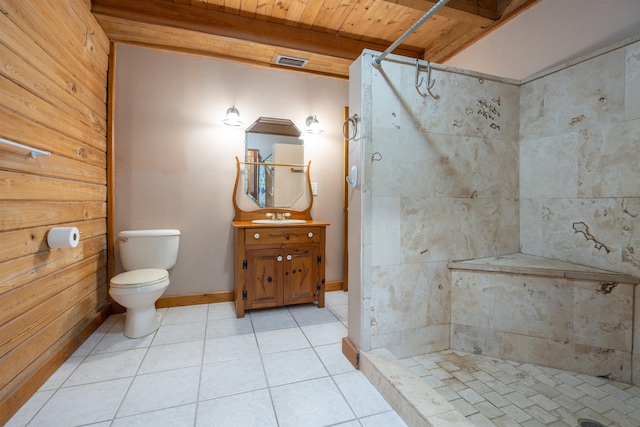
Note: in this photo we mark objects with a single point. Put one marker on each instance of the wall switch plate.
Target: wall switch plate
(314, 188)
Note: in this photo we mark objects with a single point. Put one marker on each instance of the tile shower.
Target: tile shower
(547, 167)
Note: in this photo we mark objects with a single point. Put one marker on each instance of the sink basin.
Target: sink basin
(279, 221)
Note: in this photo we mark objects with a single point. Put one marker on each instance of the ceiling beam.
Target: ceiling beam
(481, 11)
(213, 46)
(239, 27)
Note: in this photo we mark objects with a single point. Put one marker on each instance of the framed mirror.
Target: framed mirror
(274, 159)
(273, 176)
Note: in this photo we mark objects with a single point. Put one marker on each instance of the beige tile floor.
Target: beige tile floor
(495, 392)
(205, 367)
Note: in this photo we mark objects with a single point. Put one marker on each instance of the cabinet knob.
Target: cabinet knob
(279, 258)
(256, 236)
(310, 234)
(289, 257)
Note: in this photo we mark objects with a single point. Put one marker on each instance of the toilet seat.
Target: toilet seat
(139, 278)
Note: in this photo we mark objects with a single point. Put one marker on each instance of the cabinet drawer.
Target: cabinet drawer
(271, 235)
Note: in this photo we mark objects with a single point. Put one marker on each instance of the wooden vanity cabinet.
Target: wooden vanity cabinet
(279, 265)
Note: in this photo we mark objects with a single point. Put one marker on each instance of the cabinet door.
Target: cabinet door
(301, 274)
(263, 279)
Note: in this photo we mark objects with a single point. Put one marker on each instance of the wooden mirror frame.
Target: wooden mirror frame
(261, 213)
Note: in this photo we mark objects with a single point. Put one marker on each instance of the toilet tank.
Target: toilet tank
(148, 248)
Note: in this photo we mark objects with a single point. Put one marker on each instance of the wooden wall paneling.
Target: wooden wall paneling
(15, 39)
(53, 65)
(55, 165)
(15, 68)
(28, 381)
(111, 209)
(85, 22)
(22, 16)
(22, 356)
(26, 297)
(20, 214)
(25, 103)
(23, 242)
(20, 328)
(13, 274)
(56, 39)
(20, 129)
(34, 187)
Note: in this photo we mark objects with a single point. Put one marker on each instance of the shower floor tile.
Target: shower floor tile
(490, 391)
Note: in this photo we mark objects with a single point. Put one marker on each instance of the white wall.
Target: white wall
(175, 160)
(550, 33)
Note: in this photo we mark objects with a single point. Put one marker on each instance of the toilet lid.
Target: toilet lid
(142, 277)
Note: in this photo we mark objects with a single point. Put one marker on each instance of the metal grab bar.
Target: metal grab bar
(34, 151)
(378, 59)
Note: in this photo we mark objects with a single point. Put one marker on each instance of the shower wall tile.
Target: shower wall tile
(546, 352)
(613, 307)
(540, 177)
(583, 231)
(412, 164)
(512, 303)
(631, 235)
(602, 362)
(574, 98)
(424, 340)
(471, 299)
(609, 165)
(444, 186)
(411, 342)
(476, 340)
(536, 307)
(632, 82)
(466, 105)
(427, 229)
(531, 226)
(579, 144)
(398, 297)
(438, 229)
(568, 324)
(438, 293)
(386, 235)
(478, 228)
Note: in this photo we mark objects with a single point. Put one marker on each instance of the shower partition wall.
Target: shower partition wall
(439, 183)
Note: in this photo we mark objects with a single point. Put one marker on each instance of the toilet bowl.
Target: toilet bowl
(146, 256)
(138, 291)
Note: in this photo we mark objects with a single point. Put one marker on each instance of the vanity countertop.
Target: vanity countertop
(250, 224)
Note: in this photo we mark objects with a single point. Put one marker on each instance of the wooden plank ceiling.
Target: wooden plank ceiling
(330, 34)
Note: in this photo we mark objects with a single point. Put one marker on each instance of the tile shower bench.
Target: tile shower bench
(543, 311)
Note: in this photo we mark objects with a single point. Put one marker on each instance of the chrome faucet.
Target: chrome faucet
(278, 216)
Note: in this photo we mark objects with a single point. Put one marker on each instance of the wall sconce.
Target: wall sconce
(313, 126)
(233, 117)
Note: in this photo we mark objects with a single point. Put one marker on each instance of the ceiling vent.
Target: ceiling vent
(290, 61)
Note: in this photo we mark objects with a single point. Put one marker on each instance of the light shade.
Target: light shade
(313, 126)
(233, 117)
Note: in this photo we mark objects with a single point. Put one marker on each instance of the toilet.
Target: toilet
(145, 255)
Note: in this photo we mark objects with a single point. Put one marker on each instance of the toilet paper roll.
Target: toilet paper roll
(63, 237)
